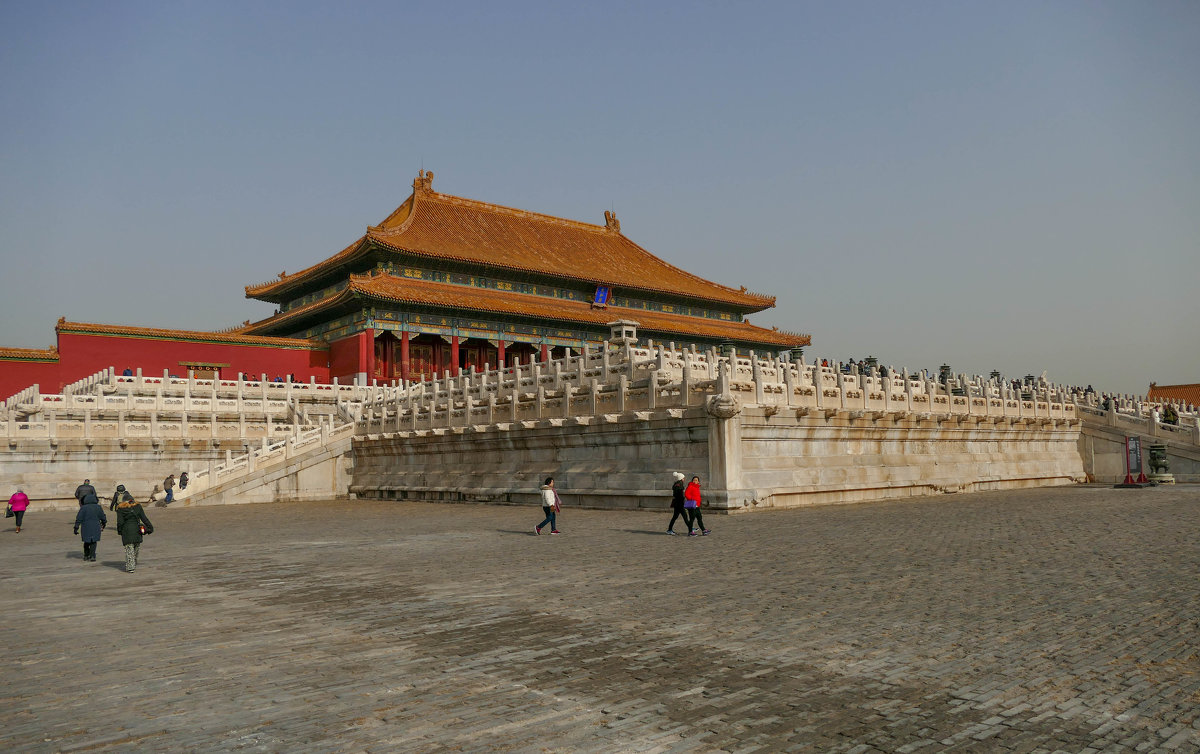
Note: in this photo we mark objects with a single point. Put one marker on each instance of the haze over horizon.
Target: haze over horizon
(995, 186)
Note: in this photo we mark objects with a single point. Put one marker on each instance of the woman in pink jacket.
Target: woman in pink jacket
(19, 502)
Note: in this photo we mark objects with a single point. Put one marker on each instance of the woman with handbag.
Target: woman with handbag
(551, 504)
(17, 504)
(131, 525)
(695, 520)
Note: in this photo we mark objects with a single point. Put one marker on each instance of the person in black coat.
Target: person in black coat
(89, 522)
(676, 502)
(117, 496)
(131, 520)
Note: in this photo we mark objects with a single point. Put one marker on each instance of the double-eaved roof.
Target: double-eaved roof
(450, 228)
(505, 242)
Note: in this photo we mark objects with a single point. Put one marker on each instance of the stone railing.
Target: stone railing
(24, 398)
(613, 380)
(1186, 431)
(269, 455)
(158, 402)
(154, 428)
(89, 383)
(240, 387)
(110, 406)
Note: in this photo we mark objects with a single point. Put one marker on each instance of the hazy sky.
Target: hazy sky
(1010, 186)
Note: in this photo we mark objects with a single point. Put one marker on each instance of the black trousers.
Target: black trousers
(89, 550)
(676, 513)
(694, 518)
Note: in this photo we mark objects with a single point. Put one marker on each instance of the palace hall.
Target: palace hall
(442, 284)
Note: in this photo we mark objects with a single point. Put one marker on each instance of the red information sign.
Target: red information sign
(1133, 461)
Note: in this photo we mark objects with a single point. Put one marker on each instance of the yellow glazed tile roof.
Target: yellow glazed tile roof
(1186, 393)
(233, 337)
(29, 354)
(440, 226)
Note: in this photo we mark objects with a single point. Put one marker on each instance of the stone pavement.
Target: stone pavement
(1040, 620)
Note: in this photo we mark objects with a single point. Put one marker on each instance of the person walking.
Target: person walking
(691, 497)
(89, 522)
(117, 496)
(18, 504)
(677, 502)
(84, 489)
(169, 488)
(551, 504)
(131, 524)
(183, 480)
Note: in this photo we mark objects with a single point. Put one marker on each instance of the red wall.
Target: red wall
(350, 356)
(15, 376)
(84, 355)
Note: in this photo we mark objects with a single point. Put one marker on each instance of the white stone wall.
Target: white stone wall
(622, 463)
(750, 460)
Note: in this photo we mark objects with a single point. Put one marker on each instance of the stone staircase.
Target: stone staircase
(311, 465)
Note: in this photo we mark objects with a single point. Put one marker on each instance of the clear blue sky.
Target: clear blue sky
(995, 185)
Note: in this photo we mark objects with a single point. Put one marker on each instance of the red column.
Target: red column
(500, 353)
(454, 370)
(545, 353)
(404, 355)
(366, 353)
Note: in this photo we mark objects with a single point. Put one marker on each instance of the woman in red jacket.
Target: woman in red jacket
(18, 503)
(691, 506)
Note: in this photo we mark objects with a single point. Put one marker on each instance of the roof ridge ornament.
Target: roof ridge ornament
(611, 222)
(423, 181)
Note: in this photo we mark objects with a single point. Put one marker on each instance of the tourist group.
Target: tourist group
(685, 502)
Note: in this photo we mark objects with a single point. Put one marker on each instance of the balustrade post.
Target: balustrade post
(685, 384)
(622, 393)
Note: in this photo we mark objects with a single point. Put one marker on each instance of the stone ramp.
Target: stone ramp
(311, 466)
(1102, 446)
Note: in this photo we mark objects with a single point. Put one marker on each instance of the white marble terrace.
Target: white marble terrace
(287, 419)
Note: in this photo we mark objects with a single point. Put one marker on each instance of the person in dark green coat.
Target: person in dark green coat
(131, 522)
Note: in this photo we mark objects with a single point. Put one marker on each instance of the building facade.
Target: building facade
(442, 284)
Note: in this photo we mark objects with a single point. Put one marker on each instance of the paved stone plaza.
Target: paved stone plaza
(1041, 620)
